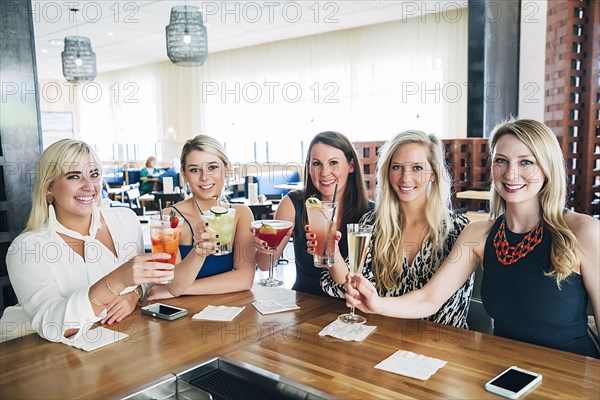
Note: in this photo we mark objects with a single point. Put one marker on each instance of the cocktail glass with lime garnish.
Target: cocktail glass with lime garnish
(221, 221)
(321, 218)
(271, 231)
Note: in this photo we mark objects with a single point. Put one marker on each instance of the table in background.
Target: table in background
(290, 186)
(474, 195)
(288, 344)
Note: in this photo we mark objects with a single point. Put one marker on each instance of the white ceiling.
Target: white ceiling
(131, 33)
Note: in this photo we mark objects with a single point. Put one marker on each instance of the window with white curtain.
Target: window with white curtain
(367, 83)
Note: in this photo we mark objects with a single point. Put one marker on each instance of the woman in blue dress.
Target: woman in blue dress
(539, 259)
(200, 268)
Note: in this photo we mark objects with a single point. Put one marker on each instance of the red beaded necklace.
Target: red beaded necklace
(507, 254)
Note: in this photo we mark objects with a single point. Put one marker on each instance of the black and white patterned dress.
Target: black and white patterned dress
(413, 277)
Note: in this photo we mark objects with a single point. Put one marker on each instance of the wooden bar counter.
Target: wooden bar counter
(287, 344)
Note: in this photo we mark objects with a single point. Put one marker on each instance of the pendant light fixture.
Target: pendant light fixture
(187, 41)
(78, 59)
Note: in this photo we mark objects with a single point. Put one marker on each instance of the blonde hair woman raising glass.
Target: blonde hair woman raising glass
(414, 228)
(540, 260)
(87, 262)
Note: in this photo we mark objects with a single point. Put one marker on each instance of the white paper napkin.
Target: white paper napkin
(341, 330)
(274, 306)
(218, 313)
(410, 364)
(96, 338)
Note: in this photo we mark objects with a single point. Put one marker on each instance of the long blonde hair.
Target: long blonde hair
(55, 161)
(389, 217)
(546, 150)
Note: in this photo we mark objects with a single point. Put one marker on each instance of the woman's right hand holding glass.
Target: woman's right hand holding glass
(145, 268)
(361, 293)
(311, 241)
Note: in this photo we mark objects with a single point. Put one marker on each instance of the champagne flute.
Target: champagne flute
(359, 237)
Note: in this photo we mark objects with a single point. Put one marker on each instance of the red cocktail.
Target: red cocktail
(271, 231)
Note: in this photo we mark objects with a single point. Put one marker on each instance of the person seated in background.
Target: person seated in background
(331, 162)
(148, 179)
(539, 259)
(76, 263)
(172, 172)
(414, 227)
(200, 268)
(105, 188)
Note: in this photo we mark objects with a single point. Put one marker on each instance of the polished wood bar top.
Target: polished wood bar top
(288, 344)
(474, 195)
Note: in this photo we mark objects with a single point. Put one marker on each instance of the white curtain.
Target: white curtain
(367, 83)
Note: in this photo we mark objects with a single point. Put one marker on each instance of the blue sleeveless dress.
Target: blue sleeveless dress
(213, 265)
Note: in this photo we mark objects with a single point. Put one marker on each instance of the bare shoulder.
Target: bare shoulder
(585, 228)
(286, 210)
(242, 210)
(478, 229)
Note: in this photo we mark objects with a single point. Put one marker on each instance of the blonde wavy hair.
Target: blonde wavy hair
(389, 217)
(210, 145)
(544, 145)
(54, 162)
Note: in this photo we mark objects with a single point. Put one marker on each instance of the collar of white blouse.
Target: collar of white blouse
(57, 227)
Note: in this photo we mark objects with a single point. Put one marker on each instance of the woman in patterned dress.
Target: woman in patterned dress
(414, 228)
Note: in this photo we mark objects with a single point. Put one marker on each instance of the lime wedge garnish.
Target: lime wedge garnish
(313, 202)
(218, 210)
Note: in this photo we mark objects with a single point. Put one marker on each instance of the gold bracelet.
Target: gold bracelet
(108, 286)
(96, 302)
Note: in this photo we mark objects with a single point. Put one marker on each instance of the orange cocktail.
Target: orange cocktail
(165, 232)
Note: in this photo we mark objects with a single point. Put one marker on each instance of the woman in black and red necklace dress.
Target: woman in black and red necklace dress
(540, 261)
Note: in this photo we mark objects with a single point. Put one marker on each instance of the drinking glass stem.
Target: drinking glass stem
(352, 310)
(271, 265)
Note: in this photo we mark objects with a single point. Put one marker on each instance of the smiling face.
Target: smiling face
(328, 165)
(410, 172)
(76, 190)
(517, 176)
(205, 173)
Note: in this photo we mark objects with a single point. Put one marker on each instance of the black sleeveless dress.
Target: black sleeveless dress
(528, 306)
(308, 277)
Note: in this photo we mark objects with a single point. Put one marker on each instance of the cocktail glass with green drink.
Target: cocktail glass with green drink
(221, 221)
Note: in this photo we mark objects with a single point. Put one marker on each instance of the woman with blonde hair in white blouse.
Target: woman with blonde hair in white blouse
(76, 264)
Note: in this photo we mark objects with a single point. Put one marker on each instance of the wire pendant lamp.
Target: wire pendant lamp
(78, 58)
(187, 41)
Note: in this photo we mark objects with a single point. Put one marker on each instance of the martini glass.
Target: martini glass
(359, 237)
(271, 231)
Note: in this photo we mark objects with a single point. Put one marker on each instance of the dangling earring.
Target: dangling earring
(49, 198)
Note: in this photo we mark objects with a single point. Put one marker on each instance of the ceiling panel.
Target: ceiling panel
(131, 33)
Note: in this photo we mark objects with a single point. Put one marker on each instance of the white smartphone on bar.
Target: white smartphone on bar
(159, 310)
(514, 382)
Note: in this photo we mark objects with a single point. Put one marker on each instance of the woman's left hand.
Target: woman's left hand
(119, 308)
(158, 292)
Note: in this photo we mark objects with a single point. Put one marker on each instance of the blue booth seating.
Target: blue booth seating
(269, 179)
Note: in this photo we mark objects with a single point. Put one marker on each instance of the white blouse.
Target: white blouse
(52, 281)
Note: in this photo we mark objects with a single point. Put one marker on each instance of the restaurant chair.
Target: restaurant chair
(166, 199)
(478, 319)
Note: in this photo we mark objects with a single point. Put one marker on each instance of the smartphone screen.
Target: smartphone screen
(513, 380)
(166, 310)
